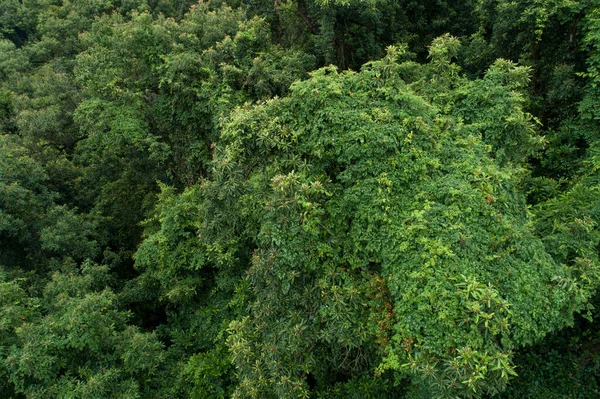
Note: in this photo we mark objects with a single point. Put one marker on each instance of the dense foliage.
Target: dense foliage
(299, 198)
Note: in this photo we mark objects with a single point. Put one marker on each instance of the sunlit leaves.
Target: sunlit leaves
(394, 186)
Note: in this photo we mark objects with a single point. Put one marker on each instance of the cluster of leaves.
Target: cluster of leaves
(359, 175)
(193, 204)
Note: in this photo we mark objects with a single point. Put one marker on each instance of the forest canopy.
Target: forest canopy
(299, 199)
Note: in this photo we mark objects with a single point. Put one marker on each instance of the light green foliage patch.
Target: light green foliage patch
(360, 177)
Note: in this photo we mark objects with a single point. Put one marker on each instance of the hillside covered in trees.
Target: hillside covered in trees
(299, 199)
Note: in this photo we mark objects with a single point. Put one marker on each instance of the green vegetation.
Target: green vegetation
(299, 199)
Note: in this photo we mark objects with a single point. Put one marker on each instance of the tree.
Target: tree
(354, 179)
(76, 343)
